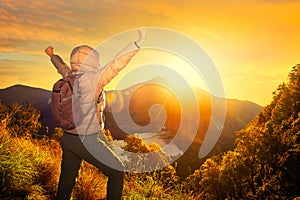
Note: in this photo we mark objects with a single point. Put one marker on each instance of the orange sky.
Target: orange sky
(253, 43)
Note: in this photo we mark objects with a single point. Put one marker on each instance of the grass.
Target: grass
(91, 183)
(30, 168)
(142, 186)
(27, 170)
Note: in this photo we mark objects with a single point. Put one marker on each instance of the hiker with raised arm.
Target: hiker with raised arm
(79, 141)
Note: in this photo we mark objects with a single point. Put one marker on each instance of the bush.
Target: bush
(27, 170)
(30, 168)
(91, 183)
(20, 120)
(144, 186)
(143, 157)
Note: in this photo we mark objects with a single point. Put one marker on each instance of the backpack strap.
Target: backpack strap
(100, 97)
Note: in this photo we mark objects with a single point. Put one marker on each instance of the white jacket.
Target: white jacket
(85, 61)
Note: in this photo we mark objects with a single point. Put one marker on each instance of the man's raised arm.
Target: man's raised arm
(59, 64)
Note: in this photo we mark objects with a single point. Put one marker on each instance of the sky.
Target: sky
(253, 43)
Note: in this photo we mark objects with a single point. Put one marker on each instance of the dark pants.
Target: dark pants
(74, 151)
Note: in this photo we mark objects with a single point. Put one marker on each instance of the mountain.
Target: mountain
(38, 97)
(137, 102)
(265, 162)
(151, 107)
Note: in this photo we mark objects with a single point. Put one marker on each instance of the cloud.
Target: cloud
(40, 21)
(235, 33)
(24, 27)
(279, 1)
(11, 71)
(27, 70)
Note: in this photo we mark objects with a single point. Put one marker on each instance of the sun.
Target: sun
(150, 64)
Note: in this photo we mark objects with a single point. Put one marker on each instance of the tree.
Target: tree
(210, 182)
(265, 163)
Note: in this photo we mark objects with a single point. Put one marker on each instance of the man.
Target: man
(81, 142)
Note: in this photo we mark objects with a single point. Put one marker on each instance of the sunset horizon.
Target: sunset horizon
(253, 44)
(112, 99)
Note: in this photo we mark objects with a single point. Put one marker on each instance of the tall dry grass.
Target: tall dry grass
(30, 168)
(27, 169)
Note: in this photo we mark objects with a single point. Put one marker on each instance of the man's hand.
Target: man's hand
(142, 35)
(49, 51)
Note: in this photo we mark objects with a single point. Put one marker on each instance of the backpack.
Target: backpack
(65, 102)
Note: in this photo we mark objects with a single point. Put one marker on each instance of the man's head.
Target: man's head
(84, 58)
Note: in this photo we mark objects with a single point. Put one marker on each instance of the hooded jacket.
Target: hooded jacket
(85, 61)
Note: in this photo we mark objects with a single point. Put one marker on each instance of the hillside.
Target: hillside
(30, 167)
(37, 97)
(265, 162)
(139, 99)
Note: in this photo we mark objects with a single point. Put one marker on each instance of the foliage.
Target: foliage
(264, 163)
(152, 154)
(20, 120)
(27, 169)
(91, 183)
(30, 168)
(144, 186)
(58, 133)
(143, 157)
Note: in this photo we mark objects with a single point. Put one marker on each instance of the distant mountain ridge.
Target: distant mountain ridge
(39, 98)
(139, 99)
(22, 94)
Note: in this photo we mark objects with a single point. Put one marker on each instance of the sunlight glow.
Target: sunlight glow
(153, 57)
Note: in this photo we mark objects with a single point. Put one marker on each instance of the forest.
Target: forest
(264, 164)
